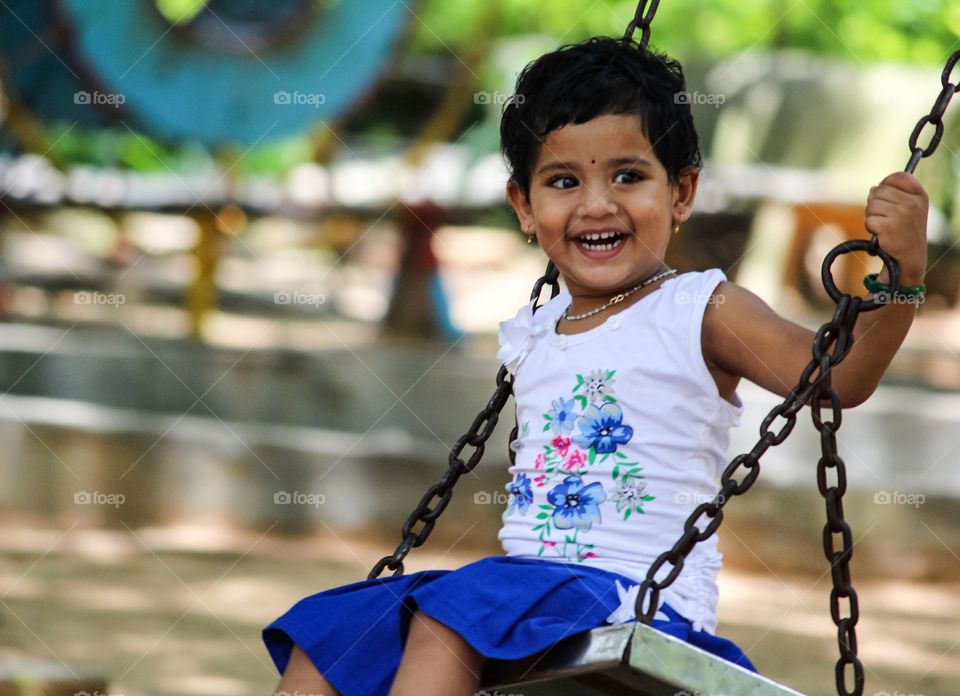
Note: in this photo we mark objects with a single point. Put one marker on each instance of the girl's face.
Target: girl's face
(602, 206)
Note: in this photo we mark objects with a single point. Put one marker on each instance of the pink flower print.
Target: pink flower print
(541, 479)
(549, 544)
(541, 461)
(588, 554)
(562, 444)
(575, 460)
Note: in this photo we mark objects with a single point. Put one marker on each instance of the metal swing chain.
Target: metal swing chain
(831, 344)
(935, 117)
(476, 436)
(641, 20)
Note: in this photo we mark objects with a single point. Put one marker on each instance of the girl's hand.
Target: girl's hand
(897, 213)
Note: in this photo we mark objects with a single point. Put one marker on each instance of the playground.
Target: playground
(253, 261)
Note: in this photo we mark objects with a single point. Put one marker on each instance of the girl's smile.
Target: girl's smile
(600, 244)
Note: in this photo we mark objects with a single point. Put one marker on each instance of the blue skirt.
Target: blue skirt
(506, 608)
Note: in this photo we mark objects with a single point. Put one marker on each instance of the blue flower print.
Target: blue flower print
(576, 504)
(521, 495)
(603, 429)
(561, 416)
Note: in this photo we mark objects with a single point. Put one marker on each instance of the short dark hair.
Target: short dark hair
(596, 77)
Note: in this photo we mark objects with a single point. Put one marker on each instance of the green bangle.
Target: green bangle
(871, 284)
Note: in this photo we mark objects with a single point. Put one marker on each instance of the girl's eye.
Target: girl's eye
(562, 182)
(627, 177)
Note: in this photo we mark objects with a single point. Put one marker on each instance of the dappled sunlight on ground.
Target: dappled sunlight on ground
(179, 611)
(905, 632)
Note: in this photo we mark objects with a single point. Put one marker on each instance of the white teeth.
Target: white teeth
(602, 247)
(596, 236)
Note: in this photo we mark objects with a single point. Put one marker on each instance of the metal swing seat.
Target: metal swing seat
(630, 658)
(634, 658)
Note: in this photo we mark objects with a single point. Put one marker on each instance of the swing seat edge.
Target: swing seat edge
(626, 659)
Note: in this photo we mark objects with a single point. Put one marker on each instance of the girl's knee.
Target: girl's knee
(302, 676)
(426, 629)
(429, 634)
(436, 660)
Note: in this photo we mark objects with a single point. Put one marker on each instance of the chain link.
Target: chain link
(641, 20)
(841, 337)
(935, 117)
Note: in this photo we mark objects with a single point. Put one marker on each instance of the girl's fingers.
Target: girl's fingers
(881, 207)
(874, 222)
(890, 193)
(907, 183)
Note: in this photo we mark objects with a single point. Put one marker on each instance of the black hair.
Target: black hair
(596, 77)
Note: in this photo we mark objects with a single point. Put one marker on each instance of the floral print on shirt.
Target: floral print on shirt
(520, 494)
(587, 428)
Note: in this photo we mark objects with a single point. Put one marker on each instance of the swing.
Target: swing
(635, 658)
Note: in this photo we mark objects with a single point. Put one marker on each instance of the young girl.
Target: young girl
(625, 387)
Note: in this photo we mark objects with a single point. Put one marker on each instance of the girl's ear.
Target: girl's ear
(521, 206)
(684, 193)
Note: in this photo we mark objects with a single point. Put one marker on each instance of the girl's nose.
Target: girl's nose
(596, 204)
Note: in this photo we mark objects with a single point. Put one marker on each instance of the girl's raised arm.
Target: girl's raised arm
(745, 337)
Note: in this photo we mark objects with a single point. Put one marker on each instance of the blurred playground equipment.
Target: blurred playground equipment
(785, 132)
(201, 78)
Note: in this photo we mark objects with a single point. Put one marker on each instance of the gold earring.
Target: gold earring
(530, 239)
(676, 228)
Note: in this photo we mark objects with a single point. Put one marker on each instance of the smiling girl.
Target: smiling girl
(625, 387)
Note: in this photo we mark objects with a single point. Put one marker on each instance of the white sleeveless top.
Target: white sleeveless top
(622, 433)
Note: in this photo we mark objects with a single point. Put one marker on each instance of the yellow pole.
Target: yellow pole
(203, 293)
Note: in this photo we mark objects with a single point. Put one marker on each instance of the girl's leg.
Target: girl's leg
(301, 677)
(436, 661)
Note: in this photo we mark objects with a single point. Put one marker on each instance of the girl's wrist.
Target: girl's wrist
(909, 278)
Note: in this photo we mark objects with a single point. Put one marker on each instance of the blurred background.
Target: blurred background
(252, 260)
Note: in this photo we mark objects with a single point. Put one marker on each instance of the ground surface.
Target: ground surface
(166, 613)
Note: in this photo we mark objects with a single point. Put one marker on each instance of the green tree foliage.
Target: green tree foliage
(180, 10)
(917, 31)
